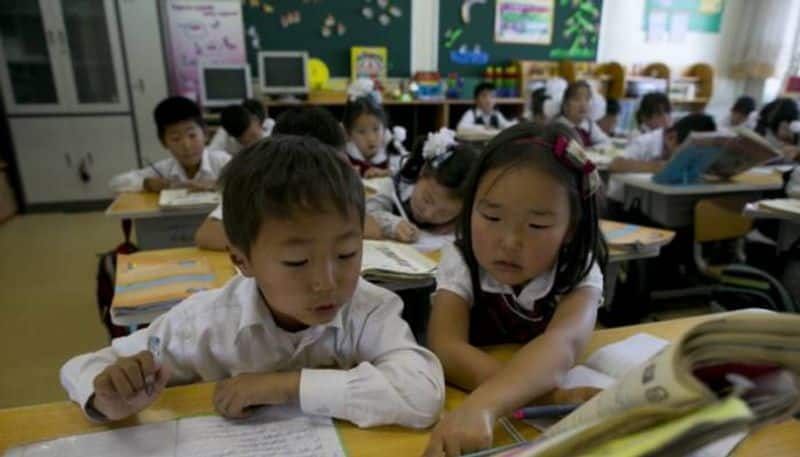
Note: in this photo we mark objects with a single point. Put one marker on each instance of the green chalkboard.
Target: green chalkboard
(576, 28)
(335, 50)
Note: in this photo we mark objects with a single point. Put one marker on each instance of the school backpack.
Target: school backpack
(106, 274)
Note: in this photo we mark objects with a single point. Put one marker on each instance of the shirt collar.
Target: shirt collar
(356, 154)
(255, 312)
(536, 289)
(177, 170)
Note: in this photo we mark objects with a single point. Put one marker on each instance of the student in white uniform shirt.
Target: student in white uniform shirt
(241, 125)
(654, 113)
(648, 153)
(299, 326)
(743, 114)
(575, 113)
(224, 141)
(484, 114)
(182, 131)
(312, 121)
(778, 123)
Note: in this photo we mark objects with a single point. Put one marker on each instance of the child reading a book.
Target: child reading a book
(776, 121)
(525, 269)
(654, 113)
(484, 113)
(371, 145)
(258, 114)
(298, 326)
(182, 131)
(241, 125)
(313, 121)
(427, 193)
(575, 107)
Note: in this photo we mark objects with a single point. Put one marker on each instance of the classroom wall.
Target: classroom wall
(622, 39)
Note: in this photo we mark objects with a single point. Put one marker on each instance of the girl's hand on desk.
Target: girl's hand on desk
(128, 386)
(237, 397)
(376, 173)
(157, 184)
(406, 232)
(461, 431)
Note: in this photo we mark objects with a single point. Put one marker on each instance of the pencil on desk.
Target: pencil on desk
(533, 412)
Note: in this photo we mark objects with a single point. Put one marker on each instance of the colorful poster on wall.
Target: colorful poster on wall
(524, 21)
(682, 16)
(368, 62)
(201, 31)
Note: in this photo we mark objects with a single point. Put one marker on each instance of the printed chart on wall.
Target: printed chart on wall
(201, 31)
(474, 33)
(671, 20)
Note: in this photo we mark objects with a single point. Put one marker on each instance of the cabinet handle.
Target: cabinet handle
(68, 159)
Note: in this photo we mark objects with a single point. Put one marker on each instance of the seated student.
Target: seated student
(648, 153)
(298, 326)
(743, 113)
(575, 114)
(307, 121)
(429, 187)
(241, 125)
(538, 99)
(775, 122)
(182, 131)
(371, 146)
(484, 113)
(223, 141)
(608, 123)
(655, 112)
(525, 269)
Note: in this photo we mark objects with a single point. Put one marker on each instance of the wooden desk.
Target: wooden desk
(42, 422)
(673, 206)
(220, 261)
(156, 228)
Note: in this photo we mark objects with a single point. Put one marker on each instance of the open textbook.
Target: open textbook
(716, 154)
(178, 199)
(276, 430)
(788, 206)
(750, 356)
(388, 260)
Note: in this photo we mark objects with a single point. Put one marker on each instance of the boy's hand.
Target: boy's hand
(235, 397)
(461, 431)
(128, 386)
(376, 173)
(406, 232)
(201, 186)
(157, 184)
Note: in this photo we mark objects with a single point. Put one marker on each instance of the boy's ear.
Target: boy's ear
(241, 261)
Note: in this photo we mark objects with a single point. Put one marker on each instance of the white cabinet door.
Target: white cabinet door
(63, 159)
(29, 52)
(144, 52)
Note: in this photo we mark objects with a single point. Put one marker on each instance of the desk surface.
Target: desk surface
(41, 422)
(758, 212)
(752, 181)
(220, 261)
(145, 205)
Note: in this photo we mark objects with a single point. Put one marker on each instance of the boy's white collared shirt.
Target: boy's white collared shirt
(470, 117)
(453, 275)
(211, 165)
(647, 147)
(364, 366)
(225, 142)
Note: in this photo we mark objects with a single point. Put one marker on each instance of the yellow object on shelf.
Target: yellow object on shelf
(319, 75)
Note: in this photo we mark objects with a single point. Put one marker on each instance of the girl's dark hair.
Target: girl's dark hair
(509, 150)
(653, 104)
(450, 173)
(744, 105)
(775, 112)
(353, 109)
(538, 97)
(572, 90)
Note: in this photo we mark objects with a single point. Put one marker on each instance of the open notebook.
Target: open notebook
(276, 430)
(177, 199)
(388, 260)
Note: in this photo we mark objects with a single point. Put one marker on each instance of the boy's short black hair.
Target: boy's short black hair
(695, 122)
(256, 108)
(235, 119)
(314, 121)
(176, 109)
(744, 105)
(653, 104)
(279, 176)
(774, 113)
(612, 107)
(484, 86)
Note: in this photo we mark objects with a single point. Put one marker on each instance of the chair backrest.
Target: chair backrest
(720, 218)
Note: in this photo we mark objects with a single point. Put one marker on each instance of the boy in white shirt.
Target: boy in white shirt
(229, 143)
(484, 113)
(182, 131)
(299, 326)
